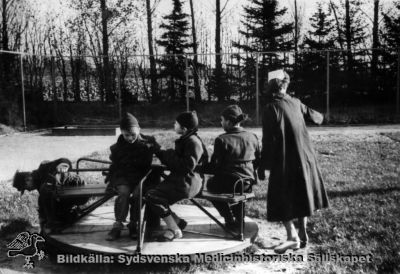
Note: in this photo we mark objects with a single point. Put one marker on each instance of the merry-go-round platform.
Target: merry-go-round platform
(201, 235)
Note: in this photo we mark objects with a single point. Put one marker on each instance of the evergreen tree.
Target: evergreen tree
(351, 22)
(320, 37)
(265, 31)
(175, 42)
(392, 27)
(391, 39)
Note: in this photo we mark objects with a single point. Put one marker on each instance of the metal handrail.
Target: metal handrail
(90, 169)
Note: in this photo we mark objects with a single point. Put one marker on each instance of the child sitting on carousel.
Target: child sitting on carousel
(236, 156)
(183, 182)
(53, 212)
(131, 158)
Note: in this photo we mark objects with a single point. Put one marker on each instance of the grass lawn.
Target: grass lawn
(362, 179)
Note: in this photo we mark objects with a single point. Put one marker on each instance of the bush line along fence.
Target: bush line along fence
(326, 79)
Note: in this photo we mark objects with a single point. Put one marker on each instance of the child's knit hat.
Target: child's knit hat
(19, 180)
(128, 121)
(188, 120)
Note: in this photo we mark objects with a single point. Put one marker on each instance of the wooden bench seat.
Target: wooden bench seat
(226, 197)
(91, 190)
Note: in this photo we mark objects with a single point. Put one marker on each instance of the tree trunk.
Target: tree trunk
(348, 37)
(375, 44)
(5, 58)
(339, 30)
(4, 31)
(296, 36)
(348, 46)
(106, 62)
(197, 94)
(153, 69)
(218, 57)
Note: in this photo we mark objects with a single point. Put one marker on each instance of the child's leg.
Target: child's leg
(179, 221)
(221, 185)
(121, 206)
(224, 210)
(158, 200)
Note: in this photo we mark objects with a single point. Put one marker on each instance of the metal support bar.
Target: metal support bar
(89, 209)
(90, 160)
(327, 85)
(141, 221)
(142, 230)
(213, 218)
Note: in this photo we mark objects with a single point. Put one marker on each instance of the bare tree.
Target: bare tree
(348, 37)
(105, 14)
(334, 8)
(153, 70)
(197, 94)
(218, 58)
(298, 15)
(375, 45)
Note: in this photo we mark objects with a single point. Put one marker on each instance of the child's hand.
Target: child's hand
(62, 168)
(154, 146)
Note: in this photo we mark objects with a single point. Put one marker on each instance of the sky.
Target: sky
(204, 11)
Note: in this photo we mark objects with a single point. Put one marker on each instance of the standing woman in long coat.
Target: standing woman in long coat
(296, 186)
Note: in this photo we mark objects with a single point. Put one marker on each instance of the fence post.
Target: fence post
(119, 92)
(327, 86)
(257, 94)
(23, 90)
(53, 85)
(398, 84)
(187, 83)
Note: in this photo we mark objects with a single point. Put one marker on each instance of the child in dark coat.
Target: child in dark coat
(53, 212)
(183, 182)
(236, 155)
(131, 159)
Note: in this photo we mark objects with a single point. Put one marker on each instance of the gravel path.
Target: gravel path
(25, 151)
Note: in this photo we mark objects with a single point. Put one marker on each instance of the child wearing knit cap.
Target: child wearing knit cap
(54, 213)
(236, 155)
(183, 182)
(131, 159)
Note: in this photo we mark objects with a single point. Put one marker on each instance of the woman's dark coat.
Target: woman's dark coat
(296, 186)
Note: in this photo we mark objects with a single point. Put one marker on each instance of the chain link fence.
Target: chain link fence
(349, 87)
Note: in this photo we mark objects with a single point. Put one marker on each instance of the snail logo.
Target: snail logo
(26, 244)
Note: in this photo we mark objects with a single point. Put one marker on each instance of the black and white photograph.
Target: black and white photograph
(199, 136)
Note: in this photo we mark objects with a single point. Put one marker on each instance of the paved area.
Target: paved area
(24, 151)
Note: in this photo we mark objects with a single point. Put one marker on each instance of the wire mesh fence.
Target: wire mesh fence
(349, 87)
